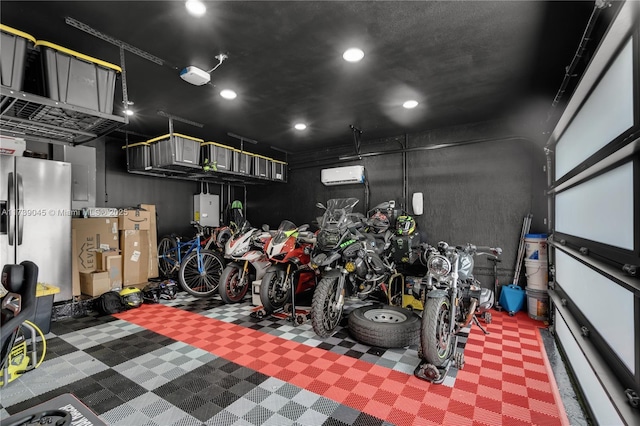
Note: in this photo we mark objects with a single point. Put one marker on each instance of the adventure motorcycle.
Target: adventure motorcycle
(352, 263)
(288, 251)
(248, 262)
(452, 299)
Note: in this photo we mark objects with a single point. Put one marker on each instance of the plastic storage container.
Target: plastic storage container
(512, 298)
(13, 56)
(261, 166)
(217, 154)
(278, 170)
(139, 156)
(241, 161)
(44, 306)
(175, 152)
(78, 79)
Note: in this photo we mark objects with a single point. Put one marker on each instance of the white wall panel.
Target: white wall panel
(607, 305)
(607, 113)
(600, 209)
(599, 402)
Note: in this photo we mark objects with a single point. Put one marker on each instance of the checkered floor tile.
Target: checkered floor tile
(193, 361)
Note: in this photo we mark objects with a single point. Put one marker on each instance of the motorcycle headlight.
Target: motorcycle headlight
(439, 265)
(240, 251)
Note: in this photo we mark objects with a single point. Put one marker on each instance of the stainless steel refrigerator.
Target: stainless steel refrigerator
(35, 218)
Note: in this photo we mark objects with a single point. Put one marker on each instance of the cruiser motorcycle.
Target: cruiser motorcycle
(452, 299)
(352, 262)
(248, 262)
(288, 251)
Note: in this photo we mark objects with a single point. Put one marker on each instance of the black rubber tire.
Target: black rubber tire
(385, 326)
(231, 289)
(205, 283)
(324, 318)
(271, 301)
(168, 257)
(436, 343)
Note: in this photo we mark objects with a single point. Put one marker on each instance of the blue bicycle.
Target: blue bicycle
(198, 268)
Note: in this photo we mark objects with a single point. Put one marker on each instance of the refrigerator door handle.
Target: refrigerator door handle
(11, 210)
(20, 202)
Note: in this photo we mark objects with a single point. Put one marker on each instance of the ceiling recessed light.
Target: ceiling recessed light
(195, 7)
(228, 94)
(353, 54)
(410, 104)
(300, 126)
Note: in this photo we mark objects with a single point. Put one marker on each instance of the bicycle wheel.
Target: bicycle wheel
(200, 273)
(168, 257)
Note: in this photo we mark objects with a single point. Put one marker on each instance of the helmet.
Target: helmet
(131, 297)
(379, 222)
(167, 290)
(405, 225)
(150, 293)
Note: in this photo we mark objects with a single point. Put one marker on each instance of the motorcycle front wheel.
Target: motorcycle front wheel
(325, 316)
(233, 286)
(436, 342)
(200, 273)
(273, 295)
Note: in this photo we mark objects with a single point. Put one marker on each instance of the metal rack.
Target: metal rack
(212, 177)
(42, 119)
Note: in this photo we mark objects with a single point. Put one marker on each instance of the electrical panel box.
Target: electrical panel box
(206, 209)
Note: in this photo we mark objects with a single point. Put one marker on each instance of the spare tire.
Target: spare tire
(385, 326)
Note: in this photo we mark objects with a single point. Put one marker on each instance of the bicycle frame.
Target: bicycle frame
(174, 255)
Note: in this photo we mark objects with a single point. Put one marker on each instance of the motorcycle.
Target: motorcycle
(288, 250)
(248, 262)
(452, 299)
(352, 262)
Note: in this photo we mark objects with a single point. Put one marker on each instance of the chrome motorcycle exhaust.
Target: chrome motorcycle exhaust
(472, 310)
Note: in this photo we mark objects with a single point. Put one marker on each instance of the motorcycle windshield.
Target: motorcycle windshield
(285, 230)
(338, 213)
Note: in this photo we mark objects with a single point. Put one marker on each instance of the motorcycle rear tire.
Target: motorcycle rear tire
(231, 290)
(437, 344)
(324, 318)
(385, 326)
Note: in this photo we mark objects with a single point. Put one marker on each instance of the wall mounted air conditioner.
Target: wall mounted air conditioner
(342, 175)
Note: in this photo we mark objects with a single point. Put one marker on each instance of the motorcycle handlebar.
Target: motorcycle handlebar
(496, 251)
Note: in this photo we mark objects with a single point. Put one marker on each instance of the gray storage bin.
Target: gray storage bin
(12, 56)
(139, 156)
(261, 166)
(217, 154)
(278, 170)
(241, 162)
(78, 79)
(175, 152)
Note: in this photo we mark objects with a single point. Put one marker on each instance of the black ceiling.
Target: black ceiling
(464, 61)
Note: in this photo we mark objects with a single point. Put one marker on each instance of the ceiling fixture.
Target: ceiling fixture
(200, 77)
(127, 110)
(353, 54)
(195, 7)
(300, 126)
(410, 104)
(228, 94)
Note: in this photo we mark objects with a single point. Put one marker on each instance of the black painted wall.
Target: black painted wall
(478, 191)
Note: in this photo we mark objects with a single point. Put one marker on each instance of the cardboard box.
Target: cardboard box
(94, 283)
(134, 219)
(113, 266)
(101, 257)
(153, 241)
(92, 234)
(135, 256)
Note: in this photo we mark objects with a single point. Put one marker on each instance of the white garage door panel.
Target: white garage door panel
(600, 209)
(608, 306)
(598, 399)
(594, 126)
